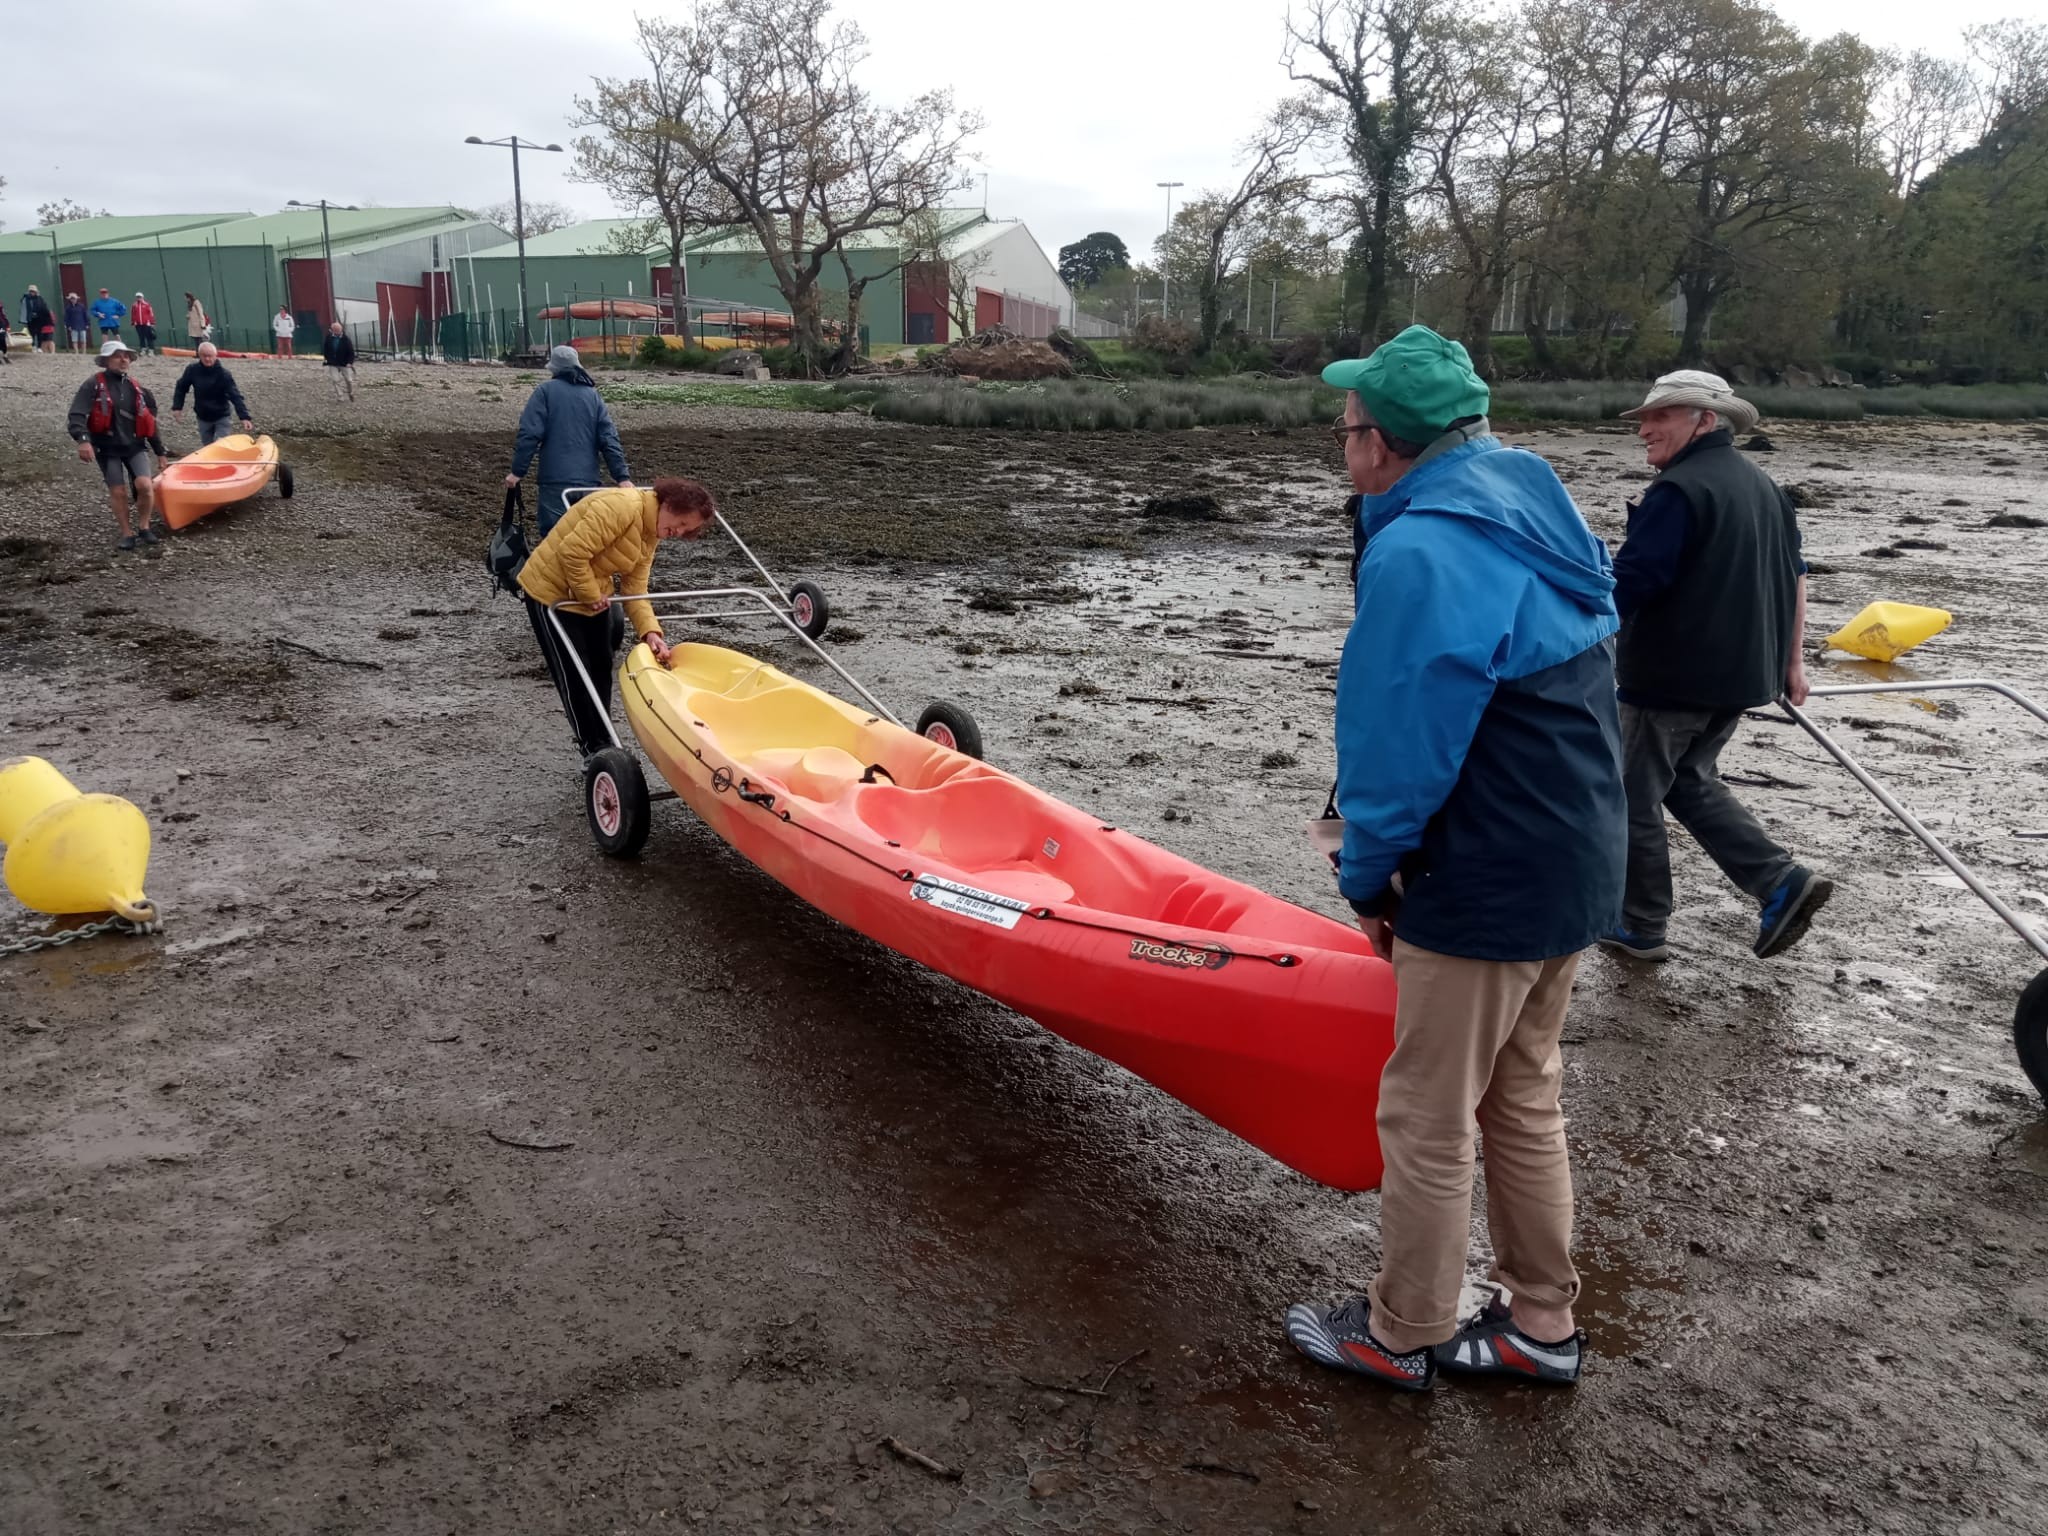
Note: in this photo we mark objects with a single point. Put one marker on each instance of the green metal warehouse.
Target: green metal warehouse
(993, 270)
(53, 257)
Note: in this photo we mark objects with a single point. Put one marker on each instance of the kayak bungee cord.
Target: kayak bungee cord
(722, 780)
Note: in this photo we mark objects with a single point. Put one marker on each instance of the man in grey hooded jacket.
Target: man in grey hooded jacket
(565, 422)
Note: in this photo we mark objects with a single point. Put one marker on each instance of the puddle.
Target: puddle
(106, 1139)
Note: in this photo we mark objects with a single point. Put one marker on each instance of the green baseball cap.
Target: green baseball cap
(1415, 385)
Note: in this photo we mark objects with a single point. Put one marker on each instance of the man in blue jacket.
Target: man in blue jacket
(566, 423)
(108, 312)
(1479, 778)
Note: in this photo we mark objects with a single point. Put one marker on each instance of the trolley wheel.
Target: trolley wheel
(2030, 1032)
(615, 802)
(950, 726)
(284, 481)
(808, 608)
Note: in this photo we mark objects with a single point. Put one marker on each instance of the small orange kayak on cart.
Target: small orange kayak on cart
(228, 469)
(1273, 1021)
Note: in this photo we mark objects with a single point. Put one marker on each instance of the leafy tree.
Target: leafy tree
(1366, 57)
(1083, 263)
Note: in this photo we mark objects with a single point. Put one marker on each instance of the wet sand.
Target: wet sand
(263, 1267)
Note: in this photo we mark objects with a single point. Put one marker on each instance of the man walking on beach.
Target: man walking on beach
(1479, 779)
(214, 395)
(567, 424)
(113, 421)
(144, 315)
(77, 322)
(108, 312)
(1712, 595)
(340, 354)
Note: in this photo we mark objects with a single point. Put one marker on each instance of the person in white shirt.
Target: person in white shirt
(284, 326)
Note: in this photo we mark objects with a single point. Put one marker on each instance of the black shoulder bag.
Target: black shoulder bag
(508, 551)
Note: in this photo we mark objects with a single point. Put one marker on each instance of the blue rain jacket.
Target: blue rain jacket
(1478, 743)
(566, 422)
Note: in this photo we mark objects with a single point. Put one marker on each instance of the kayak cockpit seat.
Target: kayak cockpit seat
(816, 773)
(1025, 881)
(1204, 901)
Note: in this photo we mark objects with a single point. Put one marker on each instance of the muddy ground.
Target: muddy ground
(265, 1267)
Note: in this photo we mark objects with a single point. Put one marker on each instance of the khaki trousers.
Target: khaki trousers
(1473, 1040)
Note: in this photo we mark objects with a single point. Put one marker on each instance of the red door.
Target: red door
(71, 279)
(306, 282)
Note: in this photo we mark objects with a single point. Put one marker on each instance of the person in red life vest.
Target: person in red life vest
(113, 421)
(143, 313)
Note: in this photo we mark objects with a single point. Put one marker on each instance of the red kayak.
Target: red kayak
(1273, 1021)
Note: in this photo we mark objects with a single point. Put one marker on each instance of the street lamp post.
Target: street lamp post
(326, 249)
(515, 144)
(1164, 281)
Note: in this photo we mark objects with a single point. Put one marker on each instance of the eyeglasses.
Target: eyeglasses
(1342, 430)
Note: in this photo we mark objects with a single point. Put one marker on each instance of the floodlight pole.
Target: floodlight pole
(1164, 283)
(326, 249)
(515, 144)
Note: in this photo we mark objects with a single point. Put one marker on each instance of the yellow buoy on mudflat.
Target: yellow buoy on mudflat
(1886, 631)
(68, 852)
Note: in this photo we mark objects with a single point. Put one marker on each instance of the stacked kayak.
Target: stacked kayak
(1271, 1020)
(228, 469)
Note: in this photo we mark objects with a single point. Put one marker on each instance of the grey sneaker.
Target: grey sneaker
(1491, 1345)
(127, 541)
(1340, 1338)
(147, 535)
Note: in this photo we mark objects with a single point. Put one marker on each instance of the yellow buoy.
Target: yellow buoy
(28, 787)
(1886, 631)
(68, 852)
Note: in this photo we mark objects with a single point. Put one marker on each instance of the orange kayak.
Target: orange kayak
(598, 309)
(228, 469)
(1273, 1021)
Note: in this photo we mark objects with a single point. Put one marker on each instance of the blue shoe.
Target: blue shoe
(1637, 946)
(1788, 912)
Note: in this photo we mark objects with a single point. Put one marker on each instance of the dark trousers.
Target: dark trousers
(590, 638)
(1670, 761)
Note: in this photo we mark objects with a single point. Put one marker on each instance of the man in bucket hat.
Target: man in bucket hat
(1712, 595)
(1479, 779)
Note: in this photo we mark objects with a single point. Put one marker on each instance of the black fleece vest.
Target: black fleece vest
(1722, 635)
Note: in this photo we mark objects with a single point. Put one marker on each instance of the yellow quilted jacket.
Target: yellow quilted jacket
(605, 535)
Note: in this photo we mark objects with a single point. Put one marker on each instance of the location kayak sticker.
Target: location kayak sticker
(966, 901)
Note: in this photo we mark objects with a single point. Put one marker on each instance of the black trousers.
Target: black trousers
(590, 636)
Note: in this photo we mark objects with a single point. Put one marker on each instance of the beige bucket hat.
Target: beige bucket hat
(1703, 391)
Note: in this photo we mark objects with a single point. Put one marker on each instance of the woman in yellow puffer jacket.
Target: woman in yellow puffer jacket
(606, 536)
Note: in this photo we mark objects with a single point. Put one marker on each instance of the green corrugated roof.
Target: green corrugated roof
(951, 222)
(590, 238)
(455, 227)
(296, 230)
(87, 234)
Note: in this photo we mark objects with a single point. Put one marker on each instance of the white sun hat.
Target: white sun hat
(1703, 391)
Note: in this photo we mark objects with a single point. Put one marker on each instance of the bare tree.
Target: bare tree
(638, 154)
(541, 217)
(1481, 146)
(789, 146)
(1228, 224)
(2012, 60)
(65, 211)
(1923, 116)
(1366, 57)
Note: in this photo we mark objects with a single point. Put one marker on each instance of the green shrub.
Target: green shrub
(654, 351)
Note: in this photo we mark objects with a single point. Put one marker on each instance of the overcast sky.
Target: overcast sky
(1088, 103)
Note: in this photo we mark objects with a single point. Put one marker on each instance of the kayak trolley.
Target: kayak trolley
(2030, 1018)
(616, 799)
